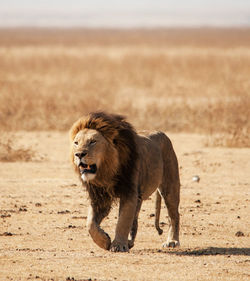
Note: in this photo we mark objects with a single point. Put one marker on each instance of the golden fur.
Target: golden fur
(125, 165)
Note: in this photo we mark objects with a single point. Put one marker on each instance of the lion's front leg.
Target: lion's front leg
(99, 236)
(126, 216)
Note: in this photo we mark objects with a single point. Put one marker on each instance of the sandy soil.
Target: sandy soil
(43, 212)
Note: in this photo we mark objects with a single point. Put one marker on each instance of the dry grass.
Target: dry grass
(9, 152)
(173, 80)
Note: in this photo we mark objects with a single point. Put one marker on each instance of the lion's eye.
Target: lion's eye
(92, 142)
(76, 142)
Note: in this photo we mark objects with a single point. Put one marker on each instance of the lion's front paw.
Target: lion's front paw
(105, 241)
(119, 247)
(171, 244)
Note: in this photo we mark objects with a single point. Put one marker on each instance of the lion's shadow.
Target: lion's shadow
(209, 251)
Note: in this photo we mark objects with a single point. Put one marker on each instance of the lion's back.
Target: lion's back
(156, 140)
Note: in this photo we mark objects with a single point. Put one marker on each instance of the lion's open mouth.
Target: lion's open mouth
(84, 168)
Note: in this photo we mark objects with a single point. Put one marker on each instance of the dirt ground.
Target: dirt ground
(43, 211)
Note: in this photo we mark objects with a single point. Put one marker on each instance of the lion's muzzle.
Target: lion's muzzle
(81, 154)
(87, 169)
(88, 172)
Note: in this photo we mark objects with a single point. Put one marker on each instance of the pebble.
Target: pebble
(196, 178)
(239, 234)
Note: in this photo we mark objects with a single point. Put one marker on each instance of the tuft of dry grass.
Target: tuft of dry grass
(10, 153)
(238, 138)
(173, 80)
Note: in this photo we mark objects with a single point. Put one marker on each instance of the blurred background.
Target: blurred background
(178, 66)
(146, 13)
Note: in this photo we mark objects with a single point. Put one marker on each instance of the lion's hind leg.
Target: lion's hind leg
(172, 202)
(158, 212)
(134, 228)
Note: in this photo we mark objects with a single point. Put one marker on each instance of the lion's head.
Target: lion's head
(103, 149)
(89, 151)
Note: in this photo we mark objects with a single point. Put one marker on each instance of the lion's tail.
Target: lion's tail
(157, 212)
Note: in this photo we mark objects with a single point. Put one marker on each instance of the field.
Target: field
(168, 80)
(193, 84)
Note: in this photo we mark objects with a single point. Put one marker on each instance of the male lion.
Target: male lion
(113, 161)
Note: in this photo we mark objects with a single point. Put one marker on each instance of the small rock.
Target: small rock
(71, 226)
(5, 216)
(63, 212)
(239, 234)
(6, 234)
(196, 178)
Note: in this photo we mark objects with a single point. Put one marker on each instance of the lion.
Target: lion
(115, 163)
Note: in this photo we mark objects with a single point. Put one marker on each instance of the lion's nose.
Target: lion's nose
(81, 154)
